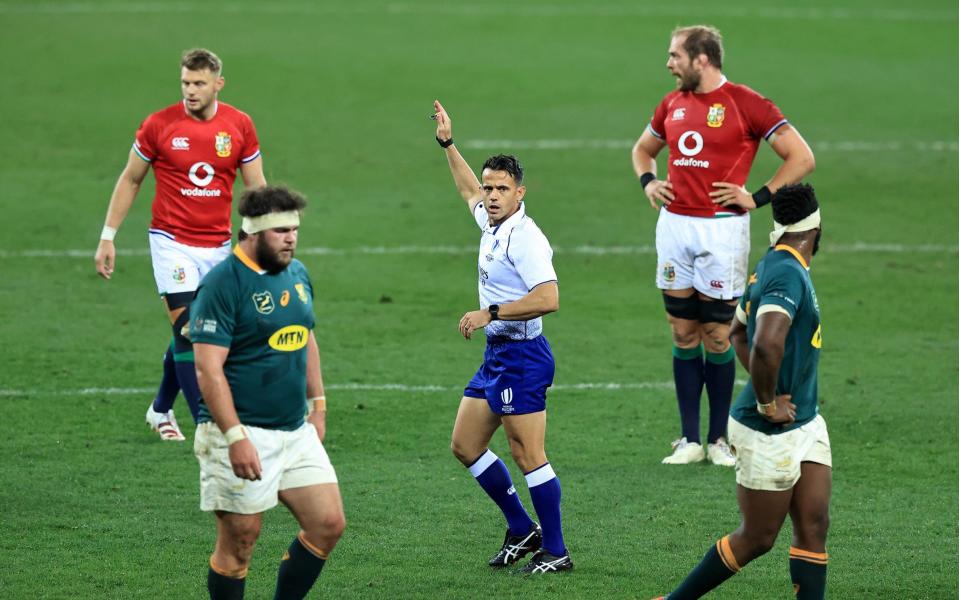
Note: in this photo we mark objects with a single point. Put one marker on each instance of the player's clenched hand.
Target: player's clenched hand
(730, 194)
(444, 127)
(105, 258)
(659, 191)
(472, 321)
(317, 418)
(785, 410)
(245, 460)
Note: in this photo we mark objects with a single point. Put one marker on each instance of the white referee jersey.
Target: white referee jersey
(514, 257)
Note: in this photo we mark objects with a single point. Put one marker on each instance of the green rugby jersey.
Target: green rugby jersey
(265, 320)
(781, 279)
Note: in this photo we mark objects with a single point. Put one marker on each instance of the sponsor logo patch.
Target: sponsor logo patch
(716, 284)
(817, 338)
(263, 301)
(223, 144)
(301, 292)
(179, 274)
(716, 115)
(669, 273)
(285, 298)
(679, 114)
(180, 143)
(290, 338)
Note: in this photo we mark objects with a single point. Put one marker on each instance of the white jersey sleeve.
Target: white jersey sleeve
(481, 216)
(531, 254)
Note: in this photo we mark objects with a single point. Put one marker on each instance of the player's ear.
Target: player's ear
(521, 191)
(220, 82)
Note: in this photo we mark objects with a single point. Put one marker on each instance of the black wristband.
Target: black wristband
(645, 178)
(493, 312)
(762, 197)
(444, 143)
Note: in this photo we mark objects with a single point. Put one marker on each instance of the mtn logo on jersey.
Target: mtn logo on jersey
(180, 143)
(716, 116)
(289, 339)
(223, 144)
(201, 175)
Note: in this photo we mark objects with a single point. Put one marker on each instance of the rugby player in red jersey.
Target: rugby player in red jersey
(195, 148)
(712, 128)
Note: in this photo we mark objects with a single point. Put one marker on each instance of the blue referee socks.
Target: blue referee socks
(546, 494)
(493, 476)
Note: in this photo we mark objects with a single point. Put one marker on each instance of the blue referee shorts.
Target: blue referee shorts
(514, 376)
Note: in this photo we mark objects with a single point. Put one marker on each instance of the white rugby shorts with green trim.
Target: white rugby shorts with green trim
(290, 459)
(772, 462)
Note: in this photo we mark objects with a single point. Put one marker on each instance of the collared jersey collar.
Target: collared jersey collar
(246, 260)
(794, 252)
(503, 229)
(722, 82)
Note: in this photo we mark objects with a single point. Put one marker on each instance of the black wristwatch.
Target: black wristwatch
(493, 312)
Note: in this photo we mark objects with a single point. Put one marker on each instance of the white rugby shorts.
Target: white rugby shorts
(772, 462)
(178, 267)
(290, 459)
(710, 255)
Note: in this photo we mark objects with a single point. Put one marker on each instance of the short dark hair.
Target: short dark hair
(269, 199)
(199, 59)
(793, 203)
(505, 162)
(702, 39)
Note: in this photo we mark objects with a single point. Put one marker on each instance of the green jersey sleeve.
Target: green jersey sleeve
(782, 286)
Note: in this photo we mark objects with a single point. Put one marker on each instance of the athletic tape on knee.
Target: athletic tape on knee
(716, 311)
(682, 308)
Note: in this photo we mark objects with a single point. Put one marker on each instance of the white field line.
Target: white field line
(472, 10)
(360, 387)
(853, 248)
(624, 144)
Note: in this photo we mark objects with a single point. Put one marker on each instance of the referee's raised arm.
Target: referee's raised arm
(466, 182)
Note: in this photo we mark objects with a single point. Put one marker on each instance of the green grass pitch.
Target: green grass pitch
(92, 505)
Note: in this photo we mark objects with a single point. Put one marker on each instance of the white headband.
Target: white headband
(273, 220)
(810, 222)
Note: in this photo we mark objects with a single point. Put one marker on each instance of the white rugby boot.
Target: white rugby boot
(165, 424)
(720, 453)
(685, 453)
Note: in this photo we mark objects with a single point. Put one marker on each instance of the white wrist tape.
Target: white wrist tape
(108, 233)
(317, 403)
(235, 434)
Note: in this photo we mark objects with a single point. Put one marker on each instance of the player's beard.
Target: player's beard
(815, 244)
(689, 80)
(271, 261)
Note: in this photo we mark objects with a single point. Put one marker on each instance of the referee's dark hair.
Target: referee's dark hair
(505, 162)
(269, 199)
(793, 203)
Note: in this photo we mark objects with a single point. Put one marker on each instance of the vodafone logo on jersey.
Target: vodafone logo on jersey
(201, 174)
(690, 144)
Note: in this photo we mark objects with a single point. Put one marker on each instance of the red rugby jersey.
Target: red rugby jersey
(712, 137)
(195, 165)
